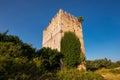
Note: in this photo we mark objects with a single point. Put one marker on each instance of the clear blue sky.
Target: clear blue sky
(101, 27)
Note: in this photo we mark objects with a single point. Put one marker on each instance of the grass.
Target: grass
(110, 74)
(74, 74)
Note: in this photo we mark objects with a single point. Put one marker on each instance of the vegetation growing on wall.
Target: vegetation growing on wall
(80, 19)
(70, 47)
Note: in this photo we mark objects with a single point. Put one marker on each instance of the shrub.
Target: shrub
(50, 59)
(70, 47)
(98, 64)
(80, 19)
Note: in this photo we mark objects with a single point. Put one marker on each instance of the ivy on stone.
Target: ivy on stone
(70, 47)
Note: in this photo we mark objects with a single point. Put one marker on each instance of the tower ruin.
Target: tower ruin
(61, 23)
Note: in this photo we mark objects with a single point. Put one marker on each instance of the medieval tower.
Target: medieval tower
(61, 23)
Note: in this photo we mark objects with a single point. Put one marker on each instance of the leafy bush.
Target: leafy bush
(9, 38)
(98, 64)
(19, 61)
(115, 64)
(50, 59)
(14, 47)
(93, 65)
(70, 47)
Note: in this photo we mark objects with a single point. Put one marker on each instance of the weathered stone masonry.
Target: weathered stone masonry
(61, 23)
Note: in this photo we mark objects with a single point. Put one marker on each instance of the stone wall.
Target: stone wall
(61, 23)
(71, 23)
(52, 35)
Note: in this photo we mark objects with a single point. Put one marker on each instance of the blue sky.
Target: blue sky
(101, 27)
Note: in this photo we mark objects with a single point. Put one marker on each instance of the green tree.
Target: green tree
(15, 58)
(98, 64)
(47, 62)
(9, 38)
(70, 47)
(20, 61)
(50, 59)
(13, 46)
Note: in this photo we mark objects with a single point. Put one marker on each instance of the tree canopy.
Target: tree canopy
(20, 61)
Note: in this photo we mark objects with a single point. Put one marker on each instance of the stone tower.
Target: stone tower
(61, 23)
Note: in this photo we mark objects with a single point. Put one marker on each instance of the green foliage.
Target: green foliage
(15, 58)
(16, 50)
(68, 74)
(101, 63)
(50, 59)
(13, 46)
(114, 64)
(48, 76)
(15, 68)
(47, 62)
(9, 38)
(74, 74)
(19, 61)
(97, 64)
(70, 47)
(80, 19)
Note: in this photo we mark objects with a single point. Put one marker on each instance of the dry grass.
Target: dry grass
(109, 75)
(112, 76)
